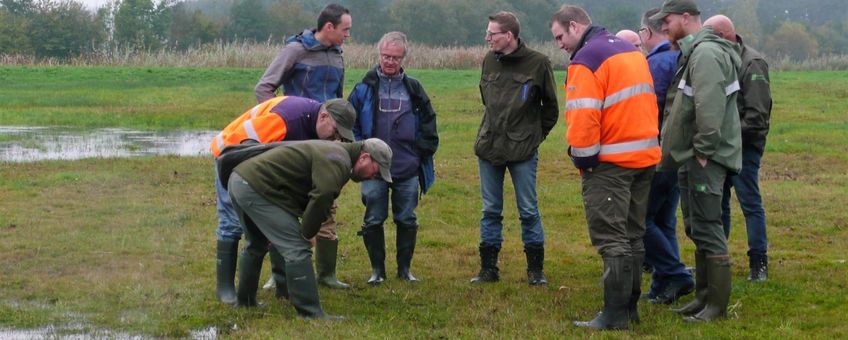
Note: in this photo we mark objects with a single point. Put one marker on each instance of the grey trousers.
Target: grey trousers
(265, 222)
(616, 202)
(700, 200)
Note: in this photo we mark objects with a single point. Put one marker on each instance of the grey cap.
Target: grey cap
(676, 7)
(344, 114)
(382, 154)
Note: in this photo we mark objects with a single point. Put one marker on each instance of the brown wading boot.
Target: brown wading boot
(406, 237)
(326, 252)
(618, 282)
(701, 291)
(489, 271)
(226, 270)
(375, 243)
(718, 285)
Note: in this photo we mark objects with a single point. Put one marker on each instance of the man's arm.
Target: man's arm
(328, 178)
(550, 104)
(276, 72)
(584, 101)
(428, 141)
(756, 99)
(710, 90)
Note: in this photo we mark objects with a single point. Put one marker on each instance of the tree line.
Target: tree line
(799, 29)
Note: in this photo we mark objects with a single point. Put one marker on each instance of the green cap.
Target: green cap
(676, 7)
(382, 154)
(344, 114)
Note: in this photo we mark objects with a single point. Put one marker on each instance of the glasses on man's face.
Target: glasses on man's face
(492, 34)
(386, 57)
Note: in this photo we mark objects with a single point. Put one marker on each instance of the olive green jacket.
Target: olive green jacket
(702, 118)
(520, 101)
(754, 100)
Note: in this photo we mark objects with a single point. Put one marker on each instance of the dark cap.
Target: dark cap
(344, 115)
(676, 7)
(382, 154)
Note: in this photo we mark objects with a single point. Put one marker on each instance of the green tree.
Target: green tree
(288, 17)
(792, 39)
(64, 29)
(743, 13)
(135, 24)
(191, 28)
(13, 33)
(249, 20)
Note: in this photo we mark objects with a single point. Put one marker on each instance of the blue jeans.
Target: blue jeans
(748, 193)
(661, 249)
(228, 221)
(375, 196)
(491, 189)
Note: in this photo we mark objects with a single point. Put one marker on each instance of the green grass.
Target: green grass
(128, 244)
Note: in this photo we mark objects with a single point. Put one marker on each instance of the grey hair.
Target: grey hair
(654, 25)
(393, 38)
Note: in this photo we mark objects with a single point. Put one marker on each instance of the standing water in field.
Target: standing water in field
(28, 144)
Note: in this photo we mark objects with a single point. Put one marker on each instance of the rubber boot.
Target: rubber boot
(759, 267)
(278, 273)
(718, 285)
(489, 271)
(303, 291)
(535, 254)
(375, 243)
(250, 265)
(636, 288)
(618, 281)
(701, 291)
(325, 263)
(406, 237)
(226, 270)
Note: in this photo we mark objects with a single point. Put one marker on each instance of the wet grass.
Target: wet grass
(128, 244)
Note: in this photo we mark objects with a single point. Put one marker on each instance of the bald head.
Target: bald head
(722, 27)
(631, 37)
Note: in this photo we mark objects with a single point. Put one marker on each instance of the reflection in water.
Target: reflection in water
(27, 144)
(83, 333)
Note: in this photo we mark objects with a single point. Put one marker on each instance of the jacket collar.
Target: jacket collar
(519, 53)
(662, 47)
(310, 43)
(590, 33)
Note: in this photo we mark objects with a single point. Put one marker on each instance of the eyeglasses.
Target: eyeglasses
(386, 57)
(492, 34)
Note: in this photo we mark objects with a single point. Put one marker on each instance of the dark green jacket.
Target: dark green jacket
(519, 94)
(701, 117)
(754, 100)
(303, 178)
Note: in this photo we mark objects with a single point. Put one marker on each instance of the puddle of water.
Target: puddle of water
(79, 332)
(29, 144)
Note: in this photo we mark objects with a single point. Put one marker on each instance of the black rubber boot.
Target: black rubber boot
(303, 291)
(718, 285)
(759, 267)
(278, 273)
(250, 265)
(406, 237)
(618, 281)
(701, 291)
(489, 271)
(326, 252)
(636, 287)
(375, 243)
(535, 254)
(226, 270)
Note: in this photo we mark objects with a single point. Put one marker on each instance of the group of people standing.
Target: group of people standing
(686, 123)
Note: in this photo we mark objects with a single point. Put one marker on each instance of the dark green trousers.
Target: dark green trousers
(616, 201)
(700, 200)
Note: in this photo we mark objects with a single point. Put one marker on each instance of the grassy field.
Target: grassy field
(128, 244)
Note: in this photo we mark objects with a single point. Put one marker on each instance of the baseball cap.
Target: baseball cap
(676, 7)
(382, 154)
(344, 114)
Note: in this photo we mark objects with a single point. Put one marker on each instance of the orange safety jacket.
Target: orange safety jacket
(611, 108)
(265, 122)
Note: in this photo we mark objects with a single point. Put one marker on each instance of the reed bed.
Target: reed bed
(258, 55)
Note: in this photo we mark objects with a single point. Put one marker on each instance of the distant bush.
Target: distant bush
(259, 55)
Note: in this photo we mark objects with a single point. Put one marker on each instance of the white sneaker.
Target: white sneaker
(271, 284)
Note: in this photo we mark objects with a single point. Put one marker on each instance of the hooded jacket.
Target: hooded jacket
(365, 97)
(520, 101)
(701, 117)
(754, 97)
(305, 68)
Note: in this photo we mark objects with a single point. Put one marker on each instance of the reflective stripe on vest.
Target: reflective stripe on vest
(628, 93)
(587, 151)
(584, 103)
(251, 131)
(220, 140)
(728, 90)
(254, 111)
(611, 149)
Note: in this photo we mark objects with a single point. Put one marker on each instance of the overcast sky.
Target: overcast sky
(93, 4)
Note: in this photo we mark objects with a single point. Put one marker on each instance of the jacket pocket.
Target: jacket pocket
(520, 144)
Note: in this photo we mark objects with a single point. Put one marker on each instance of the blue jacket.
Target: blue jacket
(662, 61)
(304, 68)
(365, 97)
